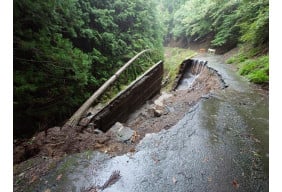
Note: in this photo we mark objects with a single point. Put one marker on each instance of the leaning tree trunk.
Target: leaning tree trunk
(73, 121)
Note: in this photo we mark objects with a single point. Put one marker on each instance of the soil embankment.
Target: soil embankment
(214, 144)
(162, 112)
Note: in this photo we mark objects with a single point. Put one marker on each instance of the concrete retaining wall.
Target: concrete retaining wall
(127, 101)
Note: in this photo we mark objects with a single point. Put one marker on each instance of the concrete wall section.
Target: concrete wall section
(126, 102)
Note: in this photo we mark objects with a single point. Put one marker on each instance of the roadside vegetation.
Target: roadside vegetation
(227, 24)
(255, 68)
(141, 64)
(64, 50)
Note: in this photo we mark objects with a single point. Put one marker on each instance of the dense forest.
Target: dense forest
(228, 22)
(65, 49)
(223, 25)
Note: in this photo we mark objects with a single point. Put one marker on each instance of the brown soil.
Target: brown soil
(44, 150)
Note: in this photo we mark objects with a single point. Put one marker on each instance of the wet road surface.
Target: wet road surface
(220, 145)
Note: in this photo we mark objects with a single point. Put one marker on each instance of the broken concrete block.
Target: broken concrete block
(158, 113)
(120, 132)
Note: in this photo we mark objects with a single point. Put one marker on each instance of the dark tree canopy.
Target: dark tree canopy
(229, 21)
(65, 49)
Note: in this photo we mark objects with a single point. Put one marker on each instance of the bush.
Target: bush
(256, 70)
(237, 59)
(246, 52)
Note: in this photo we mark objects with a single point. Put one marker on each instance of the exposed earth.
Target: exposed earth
(55, 144)
(46, 152)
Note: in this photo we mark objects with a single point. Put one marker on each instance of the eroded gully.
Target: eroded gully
(221, 144)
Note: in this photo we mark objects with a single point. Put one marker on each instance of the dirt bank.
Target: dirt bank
(44, 150)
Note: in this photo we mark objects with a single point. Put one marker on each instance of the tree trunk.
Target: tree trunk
(73, 121)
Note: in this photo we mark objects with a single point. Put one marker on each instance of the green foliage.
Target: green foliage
(256, 70)
(197, 19)
(192, 19)
(244, 53)
(225, 25)
(228, 21)
(252, 64)
(166, 10)
(255, 23)
(65, 49)
(237, 59)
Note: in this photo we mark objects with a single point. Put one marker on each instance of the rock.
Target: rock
(160, 100)
(159, 103)
(158, 113)
(98, 131)
(120, 132)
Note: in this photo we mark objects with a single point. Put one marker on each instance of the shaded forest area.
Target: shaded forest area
(64, 50)
(222, 25)
(226, 22)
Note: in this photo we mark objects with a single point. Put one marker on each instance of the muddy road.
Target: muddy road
(220, 144)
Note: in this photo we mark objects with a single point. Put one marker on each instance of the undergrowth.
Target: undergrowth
(256, 70)
(252, 65)
(136, 69)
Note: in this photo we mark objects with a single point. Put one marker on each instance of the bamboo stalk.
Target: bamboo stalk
(73, 121)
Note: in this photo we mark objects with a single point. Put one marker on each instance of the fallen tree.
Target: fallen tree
(73, 121)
